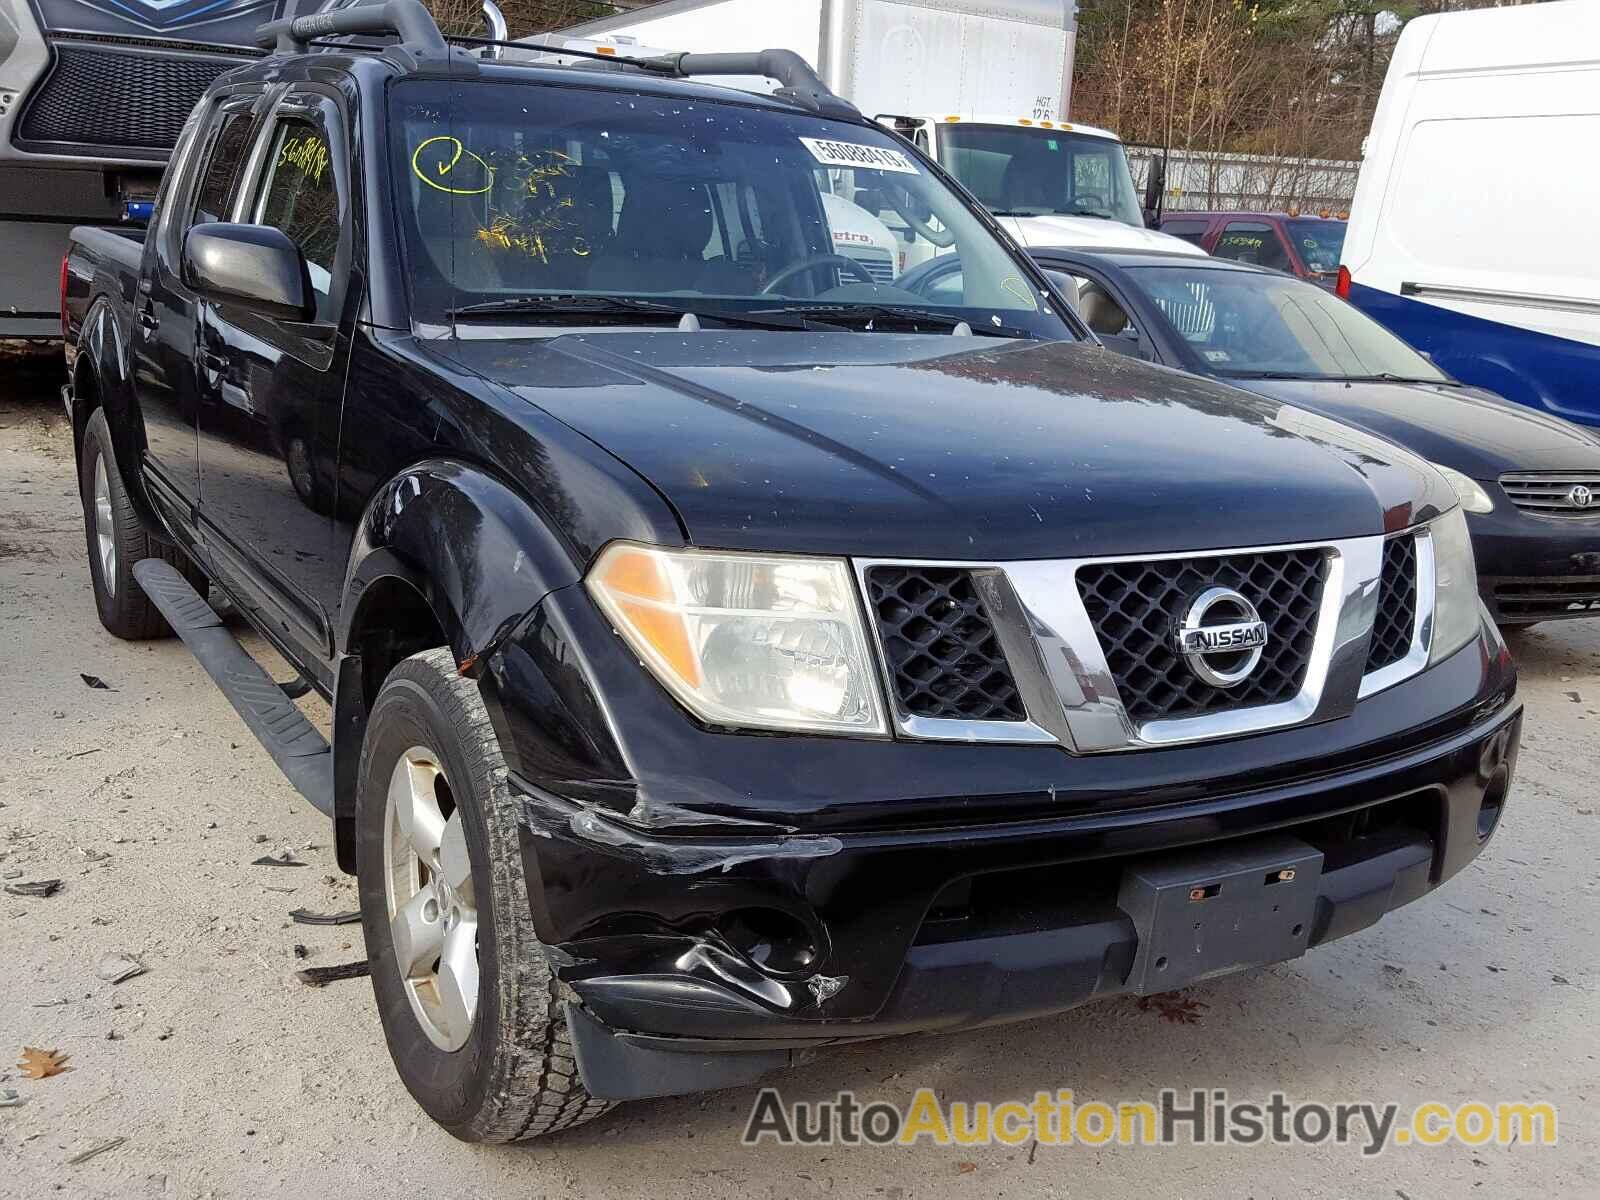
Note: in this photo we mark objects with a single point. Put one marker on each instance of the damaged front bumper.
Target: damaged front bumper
(697, 962)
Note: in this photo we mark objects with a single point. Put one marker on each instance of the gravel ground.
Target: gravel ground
(223, 1075)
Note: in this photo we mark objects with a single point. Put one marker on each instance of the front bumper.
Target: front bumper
(946, 928)
(1535, 568)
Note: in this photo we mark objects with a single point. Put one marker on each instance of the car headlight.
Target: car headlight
(1456, 607)
(746, 640)
(1473, 498)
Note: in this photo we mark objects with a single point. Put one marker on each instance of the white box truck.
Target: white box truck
(1473, 232)
(981, 86)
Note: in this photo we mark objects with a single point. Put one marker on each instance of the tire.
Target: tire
(117, 539)
(509, 1073)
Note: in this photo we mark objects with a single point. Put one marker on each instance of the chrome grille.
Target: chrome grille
(1134, 608)
(1394, 628)
(877, 263)
(1551, 494)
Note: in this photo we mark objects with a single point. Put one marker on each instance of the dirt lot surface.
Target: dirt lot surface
(224, 1076)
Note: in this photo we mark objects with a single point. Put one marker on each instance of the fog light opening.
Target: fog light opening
(772, 940)
(1494, 803)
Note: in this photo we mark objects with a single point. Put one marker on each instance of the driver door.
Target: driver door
(272, 389)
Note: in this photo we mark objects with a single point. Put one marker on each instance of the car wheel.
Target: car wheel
(117, 539)
(469, 1005)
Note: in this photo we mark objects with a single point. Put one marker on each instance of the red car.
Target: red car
(1306, 246)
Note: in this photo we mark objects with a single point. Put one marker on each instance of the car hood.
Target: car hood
(1469, 429)
(902, 445)
(1091, 233)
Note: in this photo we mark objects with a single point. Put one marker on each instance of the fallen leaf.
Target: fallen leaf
(966, 1168)
(96, 682)
(1174, 1007)
(41, 1064)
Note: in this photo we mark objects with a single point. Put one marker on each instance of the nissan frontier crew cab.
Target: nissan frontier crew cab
(731, 654)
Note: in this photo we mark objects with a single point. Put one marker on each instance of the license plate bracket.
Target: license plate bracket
(1219, 909)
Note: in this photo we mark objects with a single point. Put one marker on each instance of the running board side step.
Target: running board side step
(302, 754)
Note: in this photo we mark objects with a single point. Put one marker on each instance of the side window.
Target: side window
(213, 199)
(1253, 242)
(1190, 231)
(1102, 313)
(301, 197)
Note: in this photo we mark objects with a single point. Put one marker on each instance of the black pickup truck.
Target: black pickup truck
(730, 652)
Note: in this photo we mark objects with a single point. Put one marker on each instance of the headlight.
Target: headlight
(746, 640)
(1473, 498)
(1456, 607)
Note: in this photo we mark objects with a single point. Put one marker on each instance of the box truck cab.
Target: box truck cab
(980, 86)
(1473, 233)
(1049, 182)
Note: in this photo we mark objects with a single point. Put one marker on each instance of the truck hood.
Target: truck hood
(956, 448)
(1471, 430)
(1092, 233)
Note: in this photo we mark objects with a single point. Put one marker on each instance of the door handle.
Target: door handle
(213, 362)
(148, 321)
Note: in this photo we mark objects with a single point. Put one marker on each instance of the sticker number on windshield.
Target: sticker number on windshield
(853, 154)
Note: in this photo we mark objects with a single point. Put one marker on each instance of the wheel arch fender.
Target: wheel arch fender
(103, 379)
(447, 552)
(474, 548)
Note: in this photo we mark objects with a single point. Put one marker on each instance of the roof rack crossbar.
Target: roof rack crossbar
(406, 19)
(793, 73)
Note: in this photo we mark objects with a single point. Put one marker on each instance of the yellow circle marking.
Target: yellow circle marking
(444, 168)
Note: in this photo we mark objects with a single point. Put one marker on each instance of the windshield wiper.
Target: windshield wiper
(1389, 377)
(898, 314)
(567, 305)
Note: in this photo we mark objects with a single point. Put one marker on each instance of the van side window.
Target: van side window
(301, 197)
(214, 197)
(1253, 242)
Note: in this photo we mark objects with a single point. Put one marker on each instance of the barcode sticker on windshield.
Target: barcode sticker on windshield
(853, 154)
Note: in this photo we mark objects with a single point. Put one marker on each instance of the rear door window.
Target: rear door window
(1190, 231)
(1253, 242)
(220, 180)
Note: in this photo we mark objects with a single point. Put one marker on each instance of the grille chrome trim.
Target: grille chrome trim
(1544, 493)
(1068, 690)
(1422, 626)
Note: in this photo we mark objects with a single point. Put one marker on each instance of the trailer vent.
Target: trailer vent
(117, 99)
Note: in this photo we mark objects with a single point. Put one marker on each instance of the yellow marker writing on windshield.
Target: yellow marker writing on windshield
(456, 152)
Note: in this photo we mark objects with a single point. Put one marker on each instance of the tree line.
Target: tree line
(1291, 78)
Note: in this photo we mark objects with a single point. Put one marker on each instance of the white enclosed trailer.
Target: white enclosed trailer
(981, 86)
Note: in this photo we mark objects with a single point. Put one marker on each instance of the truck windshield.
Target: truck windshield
(1019, 171)
(524, 201)
(1249, 324)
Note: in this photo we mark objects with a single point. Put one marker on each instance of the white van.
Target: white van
(1474, 233)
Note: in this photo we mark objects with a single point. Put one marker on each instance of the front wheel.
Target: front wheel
(468, 1001)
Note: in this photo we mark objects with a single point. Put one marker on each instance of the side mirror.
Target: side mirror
(254, 266)
(1155, 187)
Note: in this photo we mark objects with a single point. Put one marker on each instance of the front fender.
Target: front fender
(474, 548)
